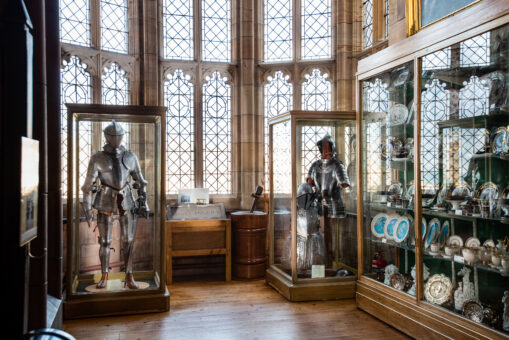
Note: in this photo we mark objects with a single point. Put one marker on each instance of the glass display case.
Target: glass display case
(434, 154)
(312, 180)
(464, 161)
(115, 211)
(388, 173)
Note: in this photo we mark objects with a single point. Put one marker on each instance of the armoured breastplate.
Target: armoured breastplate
(112, 171)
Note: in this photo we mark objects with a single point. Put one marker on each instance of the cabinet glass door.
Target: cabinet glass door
(465, 179)
(387, 169)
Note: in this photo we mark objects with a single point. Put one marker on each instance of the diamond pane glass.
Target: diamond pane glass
(367, 23)
(316, 95)
(278, 99)
(438, 60)
(76, 87)
(434, 108)
(115, 91)
(115, 86)
(278, 30)
(179, 97)
(217, 135)
(178, 29)
(475, 51)
(75, 22)
(216, 30)
(316, 91)
(316, 29)
(114, 31)
(474, 98)
(282, 158)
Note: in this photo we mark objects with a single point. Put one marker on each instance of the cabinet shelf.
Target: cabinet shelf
(474, 122)
(482, 267)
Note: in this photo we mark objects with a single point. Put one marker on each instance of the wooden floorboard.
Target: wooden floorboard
(237, 310)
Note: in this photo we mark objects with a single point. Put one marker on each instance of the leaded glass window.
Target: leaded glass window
(278, 30)
(435, 108)
(377, 96)
(114, 32)
(75, 22)
(316, 29)
(386, 19)
(316, 91)
(217, 134)
(475, 51)
(437, 60)
(180, 147)
(316, 95)
(115, 86)
(216, 30)
(278, 99)
(367, 23)
(76, 87)
(474, 98)
(178, 29)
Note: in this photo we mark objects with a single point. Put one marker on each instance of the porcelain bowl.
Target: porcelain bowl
(451, 250)
(496, 260)
(469, 255)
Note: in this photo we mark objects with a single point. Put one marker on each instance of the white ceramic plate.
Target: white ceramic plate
(378, 225)
(444, 233)
(489, 243)
(433, 232)
(424, 228)
(398, 114)
(390, 227)
(402, 229)
(455, 240)
(472, 242)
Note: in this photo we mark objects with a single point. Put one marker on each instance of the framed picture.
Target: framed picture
(29, 190)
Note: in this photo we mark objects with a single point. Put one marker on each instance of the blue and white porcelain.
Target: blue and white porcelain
(424, 228)
(444, 233)
(390, 227)
(378, 225)
(402, 229)
(433, 232)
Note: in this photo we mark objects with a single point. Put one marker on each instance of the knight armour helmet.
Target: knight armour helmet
(329, 139)
(114, 134)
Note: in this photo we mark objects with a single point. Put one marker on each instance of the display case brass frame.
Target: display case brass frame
(413, 315)
(133, 301)
(294, 288)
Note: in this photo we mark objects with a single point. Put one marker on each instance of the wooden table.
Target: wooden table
(198, 238)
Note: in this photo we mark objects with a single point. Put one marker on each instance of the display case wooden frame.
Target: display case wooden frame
(118, 302)
(413, 315)
(294, 288)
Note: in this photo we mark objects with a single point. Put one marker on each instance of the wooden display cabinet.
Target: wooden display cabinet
(292, 149)
(432, 164)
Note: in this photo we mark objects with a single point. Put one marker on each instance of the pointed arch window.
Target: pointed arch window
(217, 134)
(76, 88)
(180, 148)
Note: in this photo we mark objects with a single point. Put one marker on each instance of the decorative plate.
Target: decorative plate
(402, 229)
(472, 242)
(378, 225)
(398, 281)
(395, 189)
(455, 240)
(433, 232)
(423, 228)
(444, 233)
(473, 310)
(487, 191)
(489, 243)
(398, 114)
(390, 227)
(499, 140)
(438, 289)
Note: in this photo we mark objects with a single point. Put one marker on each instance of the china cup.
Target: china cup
(469, 255)
(505, 262)
(496, 260)
(451, 250)
(435, 247)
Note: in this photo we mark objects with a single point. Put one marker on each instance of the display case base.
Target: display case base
(421, 321)
(118, 305)
(322, 289)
